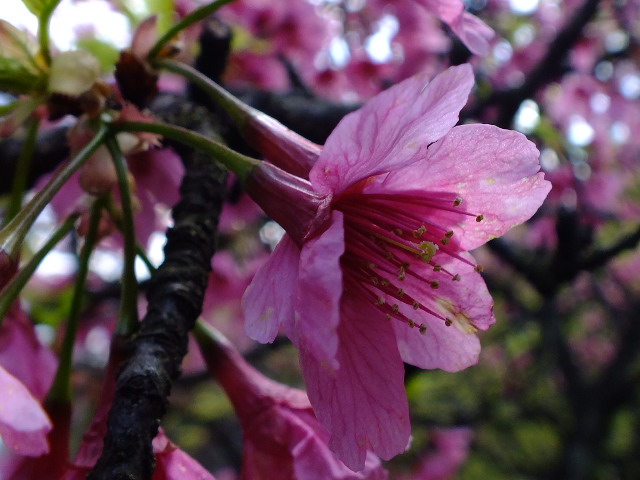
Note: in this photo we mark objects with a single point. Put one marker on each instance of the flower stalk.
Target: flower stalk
(17, 283)
(22, 170)
(239, 164)
(194, 17)
(128, 321)
(14, 233)
(280, 145)
(61, 388)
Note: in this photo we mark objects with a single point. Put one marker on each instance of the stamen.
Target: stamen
(429, 250)
(479, 218)
(457, 201)
(420, 231)
(435, 284)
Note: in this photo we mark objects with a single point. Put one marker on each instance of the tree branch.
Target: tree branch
(175, 295)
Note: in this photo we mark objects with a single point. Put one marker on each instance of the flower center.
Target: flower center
(389, 238)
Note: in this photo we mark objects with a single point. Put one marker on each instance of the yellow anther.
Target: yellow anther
(444, 241)
(416, 305)
(479, 268)
(400, 293)
(457, 201)
(412, 323)
(449, 234)
(395, 308)
(420, 231)
(429, 249)
(388, 317)
(375, 280)
(381, 301)
(456, 277)
(402, 274)
(437, 268)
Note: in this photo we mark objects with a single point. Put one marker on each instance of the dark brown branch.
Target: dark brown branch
(175, 297)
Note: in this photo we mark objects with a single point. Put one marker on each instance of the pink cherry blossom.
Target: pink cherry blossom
(26, 371)
(174, 464)
(472, 31)
(22, 354)
(23, 422)
(374, 268)
(283, 440)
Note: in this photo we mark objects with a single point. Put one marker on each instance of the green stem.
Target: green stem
(145, 259)
(17, 283)
(193, 17)
(12, 235)
(128, 321)
(239, 164)
(61, 387)
(22, 170)
(238, 110)
(43, 29)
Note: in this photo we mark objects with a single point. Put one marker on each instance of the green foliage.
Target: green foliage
(106, 53)
(165, 10)
(17, 79)
(20, 70)
(52, 310)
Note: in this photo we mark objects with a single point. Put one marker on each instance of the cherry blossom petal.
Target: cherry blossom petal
(363, 403)
(174, 464)
(392, 130)
(472, 31)
(313, 461)
(494, 171)
(22, 354)
(23, 422)
(469, 306)
(319, 291)
(267, 300)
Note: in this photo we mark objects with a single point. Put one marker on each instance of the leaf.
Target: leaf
(20, 71)
(14, 78)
